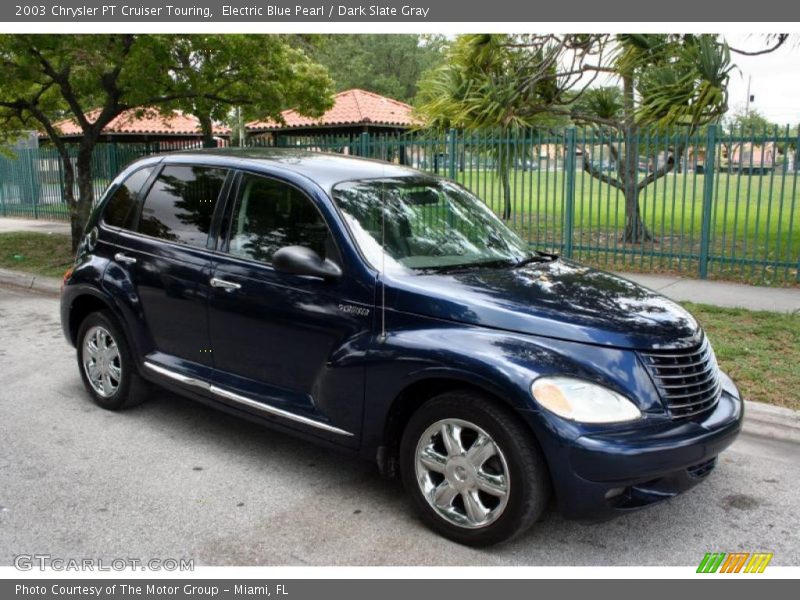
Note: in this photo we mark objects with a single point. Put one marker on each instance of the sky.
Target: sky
(775, 80)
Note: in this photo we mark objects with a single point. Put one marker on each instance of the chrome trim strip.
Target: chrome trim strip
(184, 379)
(276, 411)
(191, 381)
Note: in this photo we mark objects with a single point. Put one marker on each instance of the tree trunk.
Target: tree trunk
(635, 230)
(503, 171)
(207, 130)
(83, 207)
(506, 183)
(76, 228)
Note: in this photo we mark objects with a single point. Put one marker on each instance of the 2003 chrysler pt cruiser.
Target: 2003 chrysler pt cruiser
(389, 313)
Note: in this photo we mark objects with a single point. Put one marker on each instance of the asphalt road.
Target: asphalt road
(173, 479)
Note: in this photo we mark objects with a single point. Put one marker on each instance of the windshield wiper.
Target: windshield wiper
(491, 264)
(539, 257)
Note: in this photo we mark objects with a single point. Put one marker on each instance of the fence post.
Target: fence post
(452, 148)
(569, 192)
(364, 149)
(708, 199)
(114, 158)
(3, 179)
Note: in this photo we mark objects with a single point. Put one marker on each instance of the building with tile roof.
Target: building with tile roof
(144, 126)
(354, 111)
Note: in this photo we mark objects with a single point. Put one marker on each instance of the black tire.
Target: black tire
(529, 489)
(131, 388)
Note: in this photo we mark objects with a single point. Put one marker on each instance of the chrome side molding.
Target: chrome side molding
(238, 398)
(275, 411)
(185, 380)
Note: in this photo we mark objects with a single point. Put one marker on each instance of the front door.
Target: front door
(280, 341)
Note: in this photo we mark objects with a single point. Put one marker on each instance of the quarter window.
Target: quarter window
(269, 215)
(180, 205)
(120, 208)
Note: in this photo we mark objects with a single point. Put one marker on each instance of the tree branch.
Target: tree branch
(661, 171)
(599, 175)
(782, 37)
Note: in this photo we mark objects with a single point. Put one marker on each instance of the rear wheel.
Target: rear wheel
(105, 364)
(473, 470)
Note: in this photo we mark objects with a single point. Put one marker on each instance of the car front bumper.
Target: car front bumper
(599, 475)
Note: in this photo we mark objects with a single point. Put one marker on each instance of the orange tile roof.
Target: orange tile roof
(149, 122)
(352, 107)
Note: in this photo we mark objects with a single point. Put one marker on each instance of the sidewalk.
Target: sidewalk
(8, 224)
(720, 293)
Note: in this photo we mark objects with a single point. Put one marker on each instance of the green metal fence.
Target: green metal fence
(728, 206)
(32, 180)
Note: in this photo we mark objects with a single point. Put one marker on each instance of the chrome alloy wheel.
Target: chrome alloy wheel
(101, 361)
(462, 473)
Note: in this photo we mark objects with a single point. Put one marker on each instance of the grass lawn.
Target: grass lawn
(754, 220)
(760, 351)
(38, 253)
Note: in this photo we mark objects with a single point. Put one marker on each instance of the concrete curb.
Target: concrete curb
(36, 283)
(775, 422)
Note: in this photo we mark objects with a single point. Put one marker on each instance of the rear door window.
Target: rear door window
(180, 205)
(121, 207)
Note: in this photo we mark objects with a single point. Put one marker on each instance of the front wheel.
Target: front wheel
(473, 470)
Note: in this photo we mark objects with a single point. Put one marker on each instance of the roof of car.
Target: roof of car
(325, 169)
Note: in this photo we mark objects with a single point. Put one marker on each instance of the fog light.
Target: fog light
(614, 492)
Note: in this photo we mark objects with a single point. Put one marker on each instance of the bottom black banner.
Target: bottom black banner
(386, 589)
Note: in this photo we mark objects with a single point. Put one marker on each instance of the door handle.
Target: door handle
(124, 259)
(228, 286)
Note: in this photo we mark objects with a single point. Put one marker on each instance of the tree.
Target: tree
(483, 83)
(516, 80)
(750, 122)
(390, 65)
(95, 78)
(261, 75)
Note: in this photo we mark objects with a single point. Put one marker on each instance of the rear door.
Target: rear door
(168, 264)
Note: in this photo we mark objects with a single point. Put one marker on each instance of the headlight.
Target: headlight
(582, 401)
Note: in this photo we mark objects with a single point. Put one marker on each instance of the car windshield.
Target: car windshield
(425, 224)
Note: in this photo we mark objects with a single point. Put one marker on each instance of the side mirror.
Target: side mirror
(299, 260)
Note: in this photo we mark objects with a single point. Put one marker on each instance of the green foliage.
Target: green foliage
(604, 102)
(50, 77)
(525, 80)
(751, 122)
(262, 74)
(681, 80)
(490, 81)
(390, 65)
(513, 81)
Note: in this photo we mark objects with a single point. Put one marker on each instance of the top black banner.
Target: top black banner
(619, 11)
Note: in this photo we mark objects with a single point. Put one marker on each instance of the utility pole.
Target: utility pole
(747, 105)
(240, 127)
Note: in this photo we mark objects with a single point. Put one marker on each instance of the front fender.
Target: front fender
(503, 364)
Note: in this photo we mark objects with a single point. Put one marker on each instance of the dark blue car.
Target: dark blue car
(389, 313)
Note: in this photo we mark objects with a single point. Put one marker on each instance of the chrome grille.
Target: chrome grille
(687, 379)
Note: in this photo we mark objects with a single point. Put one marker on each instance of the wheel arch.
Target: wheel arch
(81, 307)
(417, 393)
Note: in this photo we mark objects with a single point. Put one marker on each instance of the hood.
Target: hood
(558, 299)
